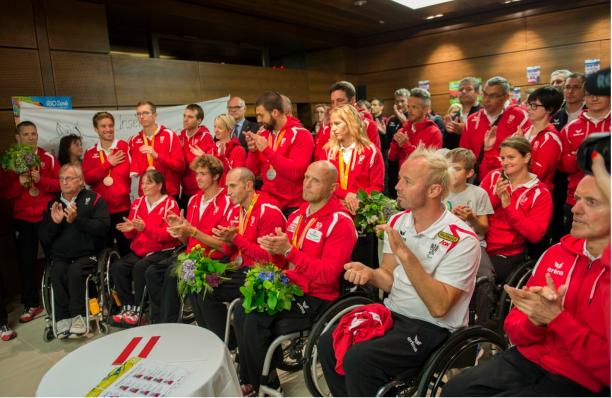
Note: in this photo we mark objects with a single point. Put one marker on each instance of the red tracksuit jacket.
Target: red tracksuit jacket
(117, 196)
(527, 217)
(290, 162)
(233, 157)
(545, 154)
(264, 219)
(202, 139)
(325, 132)
(214, 215)
(572, 136)
(478, 124)
(25, 206)
(170, 160)
(367, 171)
(575, 343)
(426, 133)
(155, 236)
(324, 243)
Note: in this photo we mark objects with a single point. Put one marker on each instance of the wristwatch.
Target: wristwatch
(286, 253)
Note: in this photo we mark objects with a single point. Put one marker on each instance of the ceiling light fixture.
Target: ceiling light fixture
(435, 16)
(360, 3)
(416, 4)
(511, 1)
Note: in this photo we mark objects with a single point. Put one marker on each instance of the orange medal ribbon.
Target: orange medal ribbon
(344, 168)
(152, 145)
(294, 239)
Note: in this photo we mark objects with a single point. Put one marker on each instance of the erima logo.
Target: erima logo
(414, 343)
(558, 265)
(303, 306)
(87, 201)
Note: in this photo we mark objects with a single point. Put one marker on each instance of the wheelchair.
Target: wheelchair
(96, 299)
(464, 348)
(518, 279)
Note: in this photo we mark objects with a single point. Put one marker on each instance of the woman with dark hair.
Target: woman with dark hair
(70, 150)
(542, 134)
(522, 206)
(146, 226)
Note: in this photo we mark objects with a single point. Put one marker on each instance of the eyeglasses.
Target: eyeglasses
(533, 106)
(67, 179)
(234, 108)
(146, 113)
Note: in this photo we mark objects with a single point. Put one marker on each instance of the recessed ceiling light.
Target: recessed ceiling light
(435, 16)
(415, 4)
(360, 3)
(511, 1)
(381, 22)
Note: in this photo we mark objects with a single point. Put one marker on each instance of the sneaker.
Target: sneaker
(29, 313)
(63, 328)
(7, 333)
(78, 327)
(131, 317)
(119, 318)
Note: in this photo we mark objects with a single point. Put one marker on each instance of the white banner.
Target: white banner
(53, 124)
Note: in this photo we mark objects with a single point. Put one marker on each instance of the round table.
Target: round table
(188, 346)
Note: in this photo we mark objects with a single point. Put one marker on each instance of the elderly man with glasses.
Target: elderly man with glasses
(237, 109)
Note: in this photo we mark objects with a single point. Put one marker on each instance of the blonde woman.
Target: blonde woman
(359, 163)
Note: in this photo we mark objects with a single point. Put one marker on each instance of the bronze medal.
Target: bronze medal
(34, 191)
(108, 181)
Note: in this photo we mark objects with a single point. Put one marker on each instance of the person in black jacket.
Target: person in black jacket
(73, 231)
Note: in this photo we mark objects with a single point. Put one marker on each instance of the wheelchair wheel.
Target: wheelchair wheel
(518, 279)
(293, 355)
(313, 374)
(104, 328)
(48, 334)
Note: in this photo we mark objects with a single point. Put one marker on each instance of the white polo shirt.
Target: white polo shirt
(449, 251)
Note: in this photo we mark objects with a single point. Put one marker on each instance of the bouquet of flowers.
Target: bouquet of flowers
(267, 289)
(199, 274)
(20, 158)
(373, 210)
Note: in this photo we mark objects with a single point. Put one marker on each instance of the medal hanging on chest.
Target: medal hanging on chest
(108, 180)
(274, 143)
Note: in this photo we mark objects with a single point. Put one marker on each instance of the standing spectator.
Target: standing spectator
(469, 90)
(593, 120)
(486, 129)
(29, 194)
(70, 150)
(195, 139)
(236, 108)
(156, 147)
(281, 153)
(319, 118)
(542, 135)
(558, 77)
(106, 168)
(418, 130)
(394, 123)
(378, 106)
(573, 105)
(73, 230)
(522, 205)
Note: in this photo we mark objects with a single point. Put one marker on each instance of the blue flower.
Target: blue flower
(283, 278)
(263, 276)
(187, 271)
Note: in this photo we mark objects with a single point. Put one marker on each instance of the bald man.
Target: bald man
(319, 240)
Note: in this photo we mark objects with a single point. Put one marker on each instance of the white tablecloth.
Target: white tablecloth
(187, 346)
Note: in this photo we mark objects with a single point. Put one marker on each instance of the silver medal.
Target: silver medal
(271, 174)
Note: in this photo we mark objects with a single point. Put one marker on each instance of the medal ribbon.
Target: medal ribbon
(102, 160)
(344, 168)
(244, 218)
(274, 142)
(294, 239)
(152, 145)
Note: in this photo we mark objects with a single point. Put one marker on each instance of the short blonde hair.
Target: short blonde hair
(462, 155)
(437, 165)
(356, 128)
(227, 121)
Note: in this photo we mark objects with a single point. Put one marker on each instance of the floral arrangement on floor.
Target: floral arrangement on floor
(267, 289)
(198, 273)
(20, 158)
(374, 209)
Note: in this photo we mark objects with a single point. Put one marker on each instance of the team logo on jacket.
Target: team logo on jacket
(314, 235)
(291, 227)
(42, 165)
(361, 158)
(319, 225)
(87, 200)
(161, 139)
(449, 237)
(432, 250)
(510, 118)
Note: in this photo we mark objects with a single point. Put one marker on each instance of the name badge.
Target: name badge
(314, 235)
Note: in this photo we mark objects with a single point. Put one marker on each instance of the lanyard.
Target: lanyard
(274, 142)
(152, 145)
(294, 239)
(102, 160)
(344, 168)
(244, 218)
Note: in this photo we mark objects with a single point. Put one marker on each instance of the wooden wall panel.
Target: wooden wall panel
(77, 25)
(17, 22)
(87, 78)
(7, 130)
(20, 76)
(163, 82)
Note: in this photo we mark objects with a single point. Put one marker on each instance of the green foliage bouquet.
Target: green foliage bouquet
(373, 210)
(20, 158)
(267, 289)
(199, 274)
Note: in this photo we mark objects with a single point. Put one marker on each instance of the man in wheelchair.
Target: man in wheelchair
(73, 231)
(319, 240)
(560, 324)
(429, 268)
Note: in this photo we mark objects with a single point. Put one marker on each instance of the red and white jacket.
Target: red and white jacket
(367, 170)
(424, 133)
(546, 149)
(155, 237)
(264, 219)
(527, 216)
(214, 215)
(325, 132)
(30, 208)
(478, 124)
(203, 139)
(575, 343)
(95, 169)
(234, 156)
(169, 162)
(572, 136)
(290, 161)
(324, 242)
